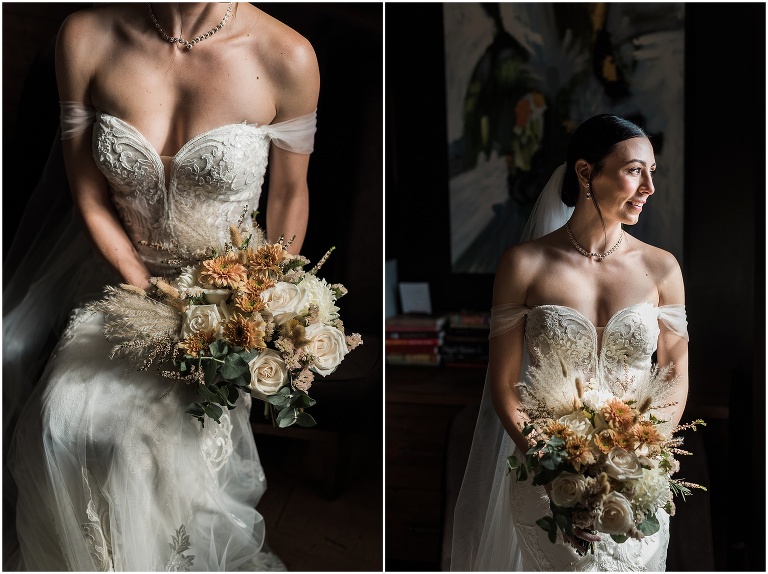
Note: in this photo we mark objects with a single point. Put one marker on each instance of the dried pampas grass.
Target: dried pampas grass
(145, 330)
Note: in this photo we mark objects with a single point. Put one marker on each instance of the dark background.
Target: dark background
(723, 262)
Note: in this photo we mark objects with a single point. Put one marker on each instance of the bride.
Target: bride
(587, 291)
(169, 115)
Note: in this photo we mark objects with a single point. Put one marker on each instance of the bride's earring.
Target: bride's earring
(589, 193)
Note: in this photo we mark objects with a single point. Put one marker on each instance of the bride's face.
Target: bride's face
(626, 181)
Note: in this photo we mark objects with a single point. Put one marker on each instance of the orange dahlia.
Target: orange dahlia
(647, 433)
(556, 428)
(246, 332)
(197, 342)
(618, 414)
(267, 257)
(578, 452)
(605, 440)
(247, 302)
(223, 271)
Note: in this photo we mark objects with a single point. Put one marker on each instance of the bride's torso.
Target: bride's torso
(623, 348)
(191, 200)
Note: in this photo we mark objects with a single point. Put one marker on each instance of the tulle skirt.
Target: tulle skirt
(112, 474)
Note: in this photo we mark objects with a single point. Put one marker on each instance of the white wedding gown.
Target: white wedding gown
(112, 474)
(495, 516)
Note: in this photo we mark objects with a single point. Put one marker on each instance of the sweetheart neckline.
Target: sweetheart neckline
(186, 144)
(583, 316)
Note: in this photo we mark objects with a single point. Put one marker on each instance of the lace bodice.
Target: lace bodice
(628, 340)
(212, 179)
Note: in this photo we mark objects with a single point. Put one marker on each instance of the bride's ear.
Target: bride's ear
(583, 171)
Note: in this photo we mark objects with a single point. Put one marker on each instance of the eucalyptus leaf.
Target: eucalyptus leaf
(619, 538)
(210, 369)
(548, 524)
(512, 462)
(522, 472)
(286, 413)
(209, 392)
(305, 420)
(219, 349)
(234, 366)
(249, 356)
(286, 417)
(649, 526)
(278, 400)
(214, 411)
(302, 400)
(196, 410)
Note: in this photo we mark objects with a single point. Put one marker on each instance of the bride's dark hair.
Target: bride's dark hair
(592, 141)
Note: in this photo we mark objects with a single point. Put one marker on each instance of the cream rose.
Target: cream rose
(616, 517)
(201, 318)
(268, 374)
(285, 301)
(623, 465)
(327, 345)
(579, 424)
(567, 489)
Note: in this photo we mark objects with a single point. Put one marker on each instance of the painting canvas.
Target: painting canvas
(520, 77)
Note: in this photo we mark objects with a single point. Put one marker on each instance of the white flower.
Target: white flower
(623, 465)
(285, 301)
(201, 318)
(268, 374)
(579, 424)
(327, 345)
(617, 516)
(593, 398)
(187, 279)
(651, 491)
(321, 294)
(216, 296)
(567, 489)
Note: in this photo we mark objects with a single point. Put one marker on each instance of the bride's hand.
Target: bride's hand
(581, 538)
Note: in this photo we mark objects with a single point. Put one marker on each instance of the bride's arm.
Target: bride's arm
(288, 201)
(506, 350)
(673, 348)
(75, 62)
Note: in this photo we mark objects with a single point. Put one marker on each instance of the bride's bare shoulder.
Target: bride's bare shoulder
(288, 56)
(97, 22)
(85, 38)
(665, 270)
(518, 265)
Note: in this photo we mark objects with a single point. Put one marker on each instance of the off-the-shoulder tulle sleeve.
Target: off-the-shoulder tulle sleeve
(506, 317)
(296, 135)
(75, 118)
(674, 318)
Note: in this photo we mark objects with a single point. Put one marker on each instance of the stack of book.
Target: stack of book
(465, 343)
(414, 339)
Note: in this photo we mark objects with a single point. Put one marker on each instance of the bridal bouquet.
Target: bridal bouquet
(247, 317)
(608, 458)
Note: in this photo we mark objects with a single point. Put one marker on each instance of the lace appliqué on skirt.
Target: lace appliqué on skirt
(96, 530)
(179, 562)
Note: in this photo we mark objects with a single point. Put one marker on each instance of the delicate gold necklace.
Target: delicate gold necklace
(182, 41)
(585, 253)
